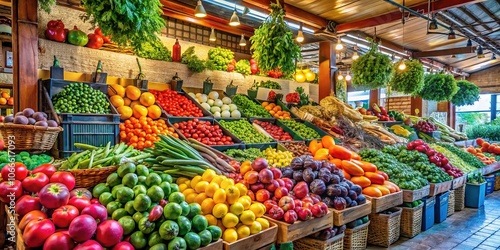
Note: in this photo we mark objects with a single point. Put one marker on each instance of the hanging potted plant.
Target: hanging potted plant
(438, 87)
(252, 91)
(467, 94)
(408, 81)
(207, 86)
(372, 70)
(231, 89)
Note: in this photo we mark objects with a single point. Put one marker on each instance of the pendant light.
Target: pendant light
(199, 11)
(235, 20)
(480, 53)
(433, 24)
(212, 36)
(348, 76)
(451, 35)
(339, 45)
(300, 35)
(340, 77)
(469, 43)
(493, 57)
(402, 65)
(355, 56)
(243, 42)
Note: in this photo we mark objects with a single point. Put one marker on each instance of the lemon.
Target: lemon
(243, 231)
(208, 175)
(195, 181)
(255, 228)
(230, 235)
(219, 210)
(230, 220)
(236, 208)
(200, 186)
(247, 217)
(263, 222)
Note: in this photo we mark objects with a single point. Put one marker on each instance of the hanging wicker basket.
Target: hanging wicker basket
(29, 137)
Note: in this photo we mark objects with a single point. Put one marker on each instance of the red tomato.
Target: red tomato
(48, 169)
(79, 203)
(18, 171)
(7, 188)
(36, 215)
(63, 216)
(34, 182)
(65, 178)
(27, 203)
(36, 232)
(60, 241)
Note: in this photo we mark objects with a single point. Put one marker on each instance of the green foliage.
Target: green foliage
(273, 45)
(219, 58)
(154, 50)
(476, 178)
(243, 67)
(438, 87)
(133, 21)
(409, 80)
(472, 118)
(485, 131)
(468, 93)
(192, 61)
(269, 84)
(46, 5)
(372, 70)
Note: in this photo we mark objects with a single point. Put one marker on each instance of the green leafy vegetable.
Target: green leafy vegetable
(269, 84)
(243, 67)
(154, 50)
(409, 80)
(194, 63)
(372, 70)
(273, 45)
(438, 87)
(249, 108)
(46, 5)
(467, 94)
(219, 58)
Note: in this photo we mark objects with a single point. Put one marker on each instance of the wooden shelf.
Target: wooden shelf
(6, 107)
(6, 86)
(5, 38)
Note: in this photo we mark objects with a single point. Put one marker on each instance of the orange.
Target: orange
(140, 111)
(154, 112)
(3, 101)
(125, 112)
(6, 95)
(116, 89)
(126, 101)
(10, 101)
(133, 103)
(133, 92)
(147, 99)
(117, 101)
(212, 221)
(207, 205)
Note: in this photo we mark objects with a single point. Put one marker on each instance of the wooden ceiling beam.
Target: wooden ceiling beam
(396, 15)
(488, 12)
(292, 13)
(444, 52)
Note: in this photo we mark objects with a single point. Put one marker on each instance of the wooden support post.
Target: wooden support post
(327, 67)
(451, 115)
(25, 50)
(416, 103)
(374, 97)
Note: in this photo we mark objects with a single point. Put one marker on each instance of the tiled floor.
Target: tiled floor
(464, 230)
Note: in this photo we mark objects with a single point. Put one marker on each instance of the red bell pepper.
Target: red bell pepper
(106, 39)
(95, 41)
(55, 31)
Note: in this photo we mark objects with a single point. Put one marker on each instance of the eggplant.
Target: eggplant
(308, 175)
(297, 163)
(298, 175)
(317, 187)
(287, 172)
(325, 175)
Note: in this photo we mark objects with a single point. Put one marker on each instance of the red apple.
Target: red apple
(298, 203)
(269, 204)
(265, 176)
(281, 182)
(307, 205)
(276, 173)
(276, 213)
(307, 199)
(288, 183)
(256, 187)
(259, 164)
(272, 186)
(286, 203)
(280, 192)
(301, 190)
(290, 216)
(317, 211)
(304, 213)
(262, 195)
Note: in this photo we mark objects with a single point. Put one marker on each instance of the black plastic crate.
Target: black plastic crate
(308, 124)
(92, 129)
(205, 112)
(274, 121)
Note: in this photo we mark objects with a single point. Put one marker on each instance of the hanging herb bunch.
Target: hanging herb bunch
(410, 80)
(131, 22)
(46, 5)
(372, 70)
(273, 44)
(154, 50)
(468, 93)
(438, 87)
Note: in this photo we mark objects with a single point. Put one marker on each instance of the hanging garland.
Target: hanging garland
(410, 80)
(372, 70)
(273, 45)
(46, 5)
(438, 87)
(468, 93)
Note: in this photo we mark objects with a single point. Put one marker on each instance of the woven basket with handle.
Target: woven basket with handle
(87, 178)
(29, 137)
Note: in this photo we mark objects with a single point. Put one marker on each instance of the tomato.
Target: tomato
(109, 233)
(63, 216)
(10, 191)
(60, 241)
(80, 193)
(17, 171)
(26, 204)
(48, 169)
(36, 232)
(79, 203)
(34, 182)
(54, 195)
(65, 178)
(34, 215)
(89, 245)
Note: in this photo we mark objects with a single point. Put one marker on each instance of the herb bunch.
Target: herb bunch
(192, 61)
(372, 70)
(410, 80)
(467, 94)
(154, 50)
(46, 5)
(438, 87)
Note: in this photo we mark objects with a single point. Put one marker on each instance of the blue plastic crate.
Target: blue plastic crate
(490, 184)
(428, 213)
(474, 195)
(441, 207)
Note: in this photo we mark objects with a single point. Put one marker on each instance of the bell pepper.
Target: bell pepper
(77, 37)
(95, 41)
(55, 31)
(106, 39)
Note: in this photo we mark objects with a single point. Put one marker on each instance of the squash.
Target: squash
(337, 162)
(366, 166)
(394, 185)
(384, 190)
(372, 191)
(386, 177)
(391, 188)
(355, 156)
(352, 168)
(314, 146)
(347, 176)
(375, 178)
(321, 154)
(340, 152)
(327, 141)
(362, 181)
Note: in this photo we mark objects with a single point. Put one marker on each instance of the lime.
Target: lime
(138, 240)
(153, 179)
(99, 189)
(176, 197)
(105, 198)
(159, 246)
(155, 193)
(142, 170)
(128, 224)
(166, 177)
(118, 213)
(130, 180)
(115, 188)
(154, 238)
(194, 209)
(139, 189)
(172, 211)
(200, 223)
(185, 208)
(113, 180)
(124, 194)
(184, 225)
(129, 206)
(113, 206)
(165, 186)
(126, 168)
(142, 202)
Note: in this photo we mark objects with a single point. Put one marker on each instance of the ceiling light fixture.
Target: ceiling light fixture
(199, 11)
(235, 20)
(339, 45)
(493, 57)
(469, 43)
(433, 25)
(480, 53)
(212, 36)
(348, 76)
(451, 35)
(402, 65)
(340, 77)
(300, 35)
(243, 42)
(355, 56)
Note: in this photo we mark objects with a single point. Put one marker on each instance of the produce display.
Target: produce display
(143, 132)
(176, 104)
(293, 97)
(276, 111)
(454, 159)
(204, 132)
(358, 222)
(243, 67)
(467, 94)
(269, 84)
(220, 58)
(297, 148)
(301, 129)
(244, 131)
(412, 204)
(425, 126)
(80, 98)
(249, 108)
(436, 158)
(372, 70)
(276, 132)
(30, 161)
(404, 131)
(192, 61)
(131, 101)
(465, 155)
(218, 107)
(29, 117)
(485, 148)
(241, 155)
(438, 87)
(278, 158)
(398, 116)
(378, 111)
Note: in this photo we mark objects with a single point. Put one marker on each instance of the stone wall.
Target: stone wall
(400, 103)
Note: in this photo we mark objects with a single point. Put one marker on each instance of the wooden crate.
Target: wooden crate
(347, 215)
(256, 241)
(458, 182)
(385, 202)
(218, 245)
(19, 236)
(413, 195)
(439, 188)
(334, 243)
(300, 229)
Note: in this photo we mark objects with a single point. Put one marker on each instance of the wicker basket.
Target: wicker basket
(497, 181)
(356, 238)
(460, 198)
(29, 137)
(384, 229)
(334, 243)
(451, 202)
(411, 221)
(87, 178)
